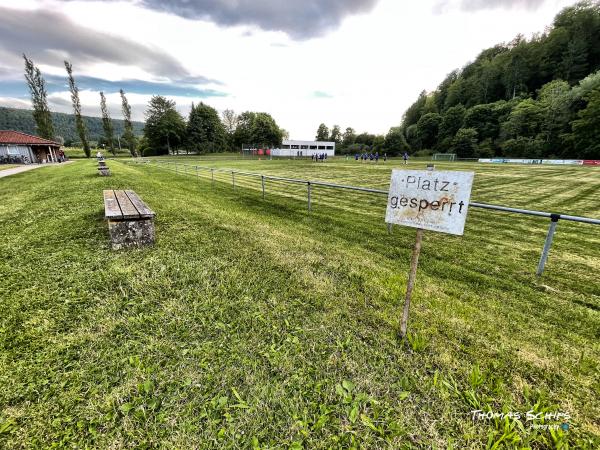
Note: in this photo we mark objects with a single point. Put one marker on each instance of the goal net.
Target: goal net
(444, 156)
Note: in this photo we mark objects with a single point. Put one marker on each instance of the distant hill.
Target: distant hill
(533, 98)
(64, 124)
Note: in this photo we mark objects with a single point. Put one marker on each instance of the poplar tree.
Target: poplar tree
(39, 100)
(128, 135)
(107, 124)
(81, 130)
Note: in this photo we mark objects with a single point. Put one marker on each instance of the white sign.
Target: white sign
(432, 200)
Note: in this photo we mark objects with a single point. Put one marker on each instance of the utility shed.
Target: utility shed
(18, 145)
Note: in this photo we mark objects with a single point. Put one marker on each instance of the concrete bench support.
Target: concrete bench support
(130, 221)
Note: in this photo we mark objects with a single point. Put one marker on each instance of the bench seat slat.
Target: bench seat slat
(111, 205)
(142, 208)
(127, 208)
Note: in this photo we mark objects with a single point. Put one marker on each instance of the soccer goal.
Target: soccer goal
(444, 156)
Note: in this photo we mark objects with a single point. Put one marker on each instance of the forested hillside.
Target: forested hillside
(537, 97)
(64, 125)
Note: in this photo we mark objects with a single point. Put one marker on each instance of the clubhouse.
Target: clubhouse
(21, 147)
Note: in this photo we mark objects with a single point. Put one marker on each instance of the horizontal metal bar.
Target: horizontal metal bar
(352, 188)
(508, 209)
(536, 213)
(528, 212)
(286, 180)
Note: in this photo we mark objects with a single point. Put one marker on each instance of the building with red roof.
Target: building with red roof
(18, 146)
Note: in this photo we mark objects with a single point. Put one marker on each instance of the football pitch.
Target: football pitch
(254, 324)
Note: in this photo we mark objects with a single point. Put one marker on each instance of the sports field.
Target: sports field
(252, 324)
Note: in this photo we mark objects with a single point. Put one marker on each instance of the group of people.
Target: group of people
(319, 157)
(369, 157)
(375, 157)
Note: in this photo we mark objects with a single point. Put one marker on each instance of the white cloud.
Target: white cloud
(374, 64)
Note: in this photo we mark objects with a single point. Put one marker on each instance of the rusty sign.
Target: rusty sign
(431, 200)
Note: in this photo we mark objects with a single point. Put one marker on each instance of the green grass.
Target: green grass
(253, 324)
(78, 153)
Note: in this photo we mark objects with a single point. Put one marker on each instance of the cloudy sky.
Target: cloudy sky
(357, 63)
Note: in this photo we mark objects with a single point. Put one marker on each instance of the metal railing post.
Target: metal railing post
(308, 192)
(263, 185)
(549, 237)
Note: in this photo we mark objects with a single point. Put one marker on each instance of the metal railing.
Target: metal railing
(554, 217)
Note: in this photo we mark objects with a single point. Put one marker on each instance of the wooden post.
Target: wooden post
(414, 262)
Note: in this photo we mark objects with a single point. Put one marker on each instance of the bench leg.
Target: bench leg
(131, 233)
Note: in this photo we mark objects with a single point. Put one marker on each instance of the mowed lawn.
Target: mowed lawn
(252, 324)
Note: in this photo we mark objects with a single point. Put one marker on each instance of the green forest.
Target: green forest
(64, 125)
(537, 97)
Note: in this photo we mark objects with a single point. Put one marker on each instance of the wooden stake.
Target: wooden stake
(414, 262)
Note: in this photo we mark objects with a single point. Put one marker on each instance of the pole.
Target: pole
(263, 185)
(233, 179)
(196, 173)
(549, 237)
(308, 189)
(212, 176)
(414, 262)
(389, 227)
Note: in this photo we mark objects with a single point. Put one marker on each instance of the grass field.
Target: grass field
(78, 153)
(252, 324)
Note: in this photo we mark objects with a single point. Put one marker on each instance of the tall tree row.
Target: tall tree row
(77, 110)
(205, 131)
(39, 99)
(128, 135)
(257, 129)
(393, 143)
(107, 125)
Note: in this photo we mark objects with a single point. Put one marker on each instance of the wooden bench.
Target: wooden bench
(130, 221)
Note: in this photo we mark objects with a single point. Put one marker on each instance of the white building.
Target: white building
(304, 148)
